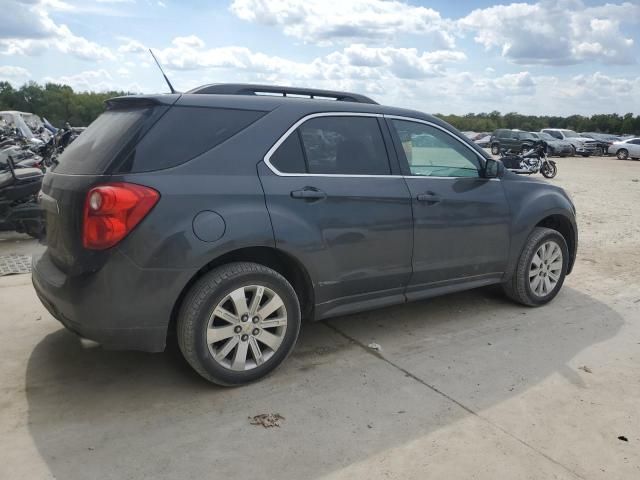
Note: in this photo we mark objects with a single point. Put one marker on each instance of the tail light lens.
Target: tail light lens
(112, 210)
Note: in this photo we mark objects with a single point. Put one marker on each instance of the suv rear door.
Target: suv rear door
(461, 220)
(340, 206)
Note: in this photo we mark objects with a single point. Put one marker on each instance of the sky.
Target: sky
(550, 57)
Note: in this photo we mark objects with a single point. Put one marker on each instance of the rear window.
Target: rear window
(102, 141)
(120, 140)
(184, 133)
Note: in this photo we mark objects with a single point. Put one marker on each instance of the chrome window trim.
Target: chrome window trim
(291, 129)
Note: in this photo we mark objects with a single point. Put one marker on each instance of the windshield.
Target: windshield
(527, 136)
(570, 133)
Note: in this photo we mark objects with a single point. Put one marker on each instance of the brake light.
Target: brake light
(112, 210)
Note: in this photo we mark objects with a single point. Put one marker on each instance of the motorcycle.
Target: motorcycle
(532, 161)
(19, 208)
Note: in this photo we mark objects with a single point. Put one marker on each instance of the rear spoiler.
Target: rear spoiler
(141, 101)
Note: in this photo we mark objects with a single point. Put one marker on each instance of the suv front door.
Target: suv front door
(461, 220)
(342, 209)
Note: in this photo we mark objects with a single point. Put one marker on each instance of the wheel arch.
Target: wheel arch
(282, 262)
(561, 224)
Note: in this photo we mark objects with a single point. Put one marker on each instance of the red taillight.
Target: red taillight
(112, 210)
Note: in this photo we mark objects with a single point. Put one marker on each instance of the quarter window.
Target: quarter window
(289, 158)
(431, 152)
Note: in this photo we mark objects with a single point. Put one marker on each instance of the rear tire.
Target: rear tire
(495, 149)
(522, 286)
(211, 321)
(549, 170)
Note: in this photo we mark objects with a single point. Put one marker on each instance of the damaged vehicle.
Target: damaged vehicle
(227, 215)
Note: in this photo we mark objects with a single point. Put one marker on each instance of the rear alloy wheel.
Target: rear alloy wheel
(622, 154)
(495, 149)
(541, 269)
(238, 323)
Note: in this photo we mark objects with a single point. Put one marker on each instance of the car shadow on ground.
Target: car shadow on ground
(100, 414)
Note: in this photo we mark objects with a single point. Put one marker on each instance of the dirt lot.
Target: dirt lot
(465, 386)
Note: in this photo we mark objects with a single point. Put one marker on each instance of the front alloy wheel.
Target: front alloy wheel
(541, 268)
(545, 269)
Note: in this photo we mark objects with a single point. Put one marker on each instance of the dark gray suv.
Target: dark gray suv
(230, 213)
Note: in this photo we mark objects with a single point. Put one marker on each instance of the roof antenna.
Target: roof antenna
(173, 90)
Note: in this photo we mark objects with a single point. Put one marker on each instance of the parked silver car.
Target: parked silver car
(629, 148)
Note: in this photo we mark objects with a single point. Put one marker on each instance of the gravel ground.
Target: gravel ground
(464, 386)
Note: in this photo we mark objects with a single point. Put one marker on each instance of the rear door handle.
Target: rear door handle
(309, 194)
(429, 198)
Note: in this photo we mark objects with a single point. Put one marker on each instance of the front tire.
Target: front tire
(495, 149)
(238, 323)
(622, 154)
(541, 269)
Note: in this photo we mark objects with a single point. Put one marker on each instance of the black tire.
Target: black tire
(495, 149)
(202, 298)
(573, 151)
(599, 152)
(549, 170)
(518, 287)
(622, 154)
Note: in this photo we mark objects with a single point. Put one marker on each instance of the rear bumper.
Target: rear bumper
(121, 306)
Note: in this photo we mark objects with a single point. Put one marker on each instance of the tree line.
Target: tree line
(488, 122)
(57, 103)
(60, 104)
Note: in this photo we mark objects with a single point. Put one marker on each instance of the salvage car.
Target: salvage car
(604, 140)
(629, 148)
(228, 214)
(581, 145)
(552, 145)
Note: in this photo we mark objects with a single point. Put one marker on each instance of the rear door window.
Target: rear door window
(345, 145)
(340, 145)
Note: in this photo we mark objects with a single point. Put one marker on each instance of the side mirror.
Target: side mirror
(493, 168)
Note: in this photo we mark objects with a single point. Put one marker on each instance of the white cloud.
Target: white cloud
(132, 46)
(93, 80)
(325, 22)
(14, 75)
(29, 30)
(355, 61)
(556, 32)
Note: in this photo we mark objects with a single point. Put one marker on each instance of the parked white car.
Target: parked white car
(581, 145)
(629, 148)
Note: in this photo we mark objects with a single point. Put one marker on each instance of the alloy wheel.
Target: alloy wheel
(545, 268)
(246, 328)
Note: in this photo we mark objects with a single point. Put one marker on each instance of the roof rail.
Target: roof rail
(250, 89)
